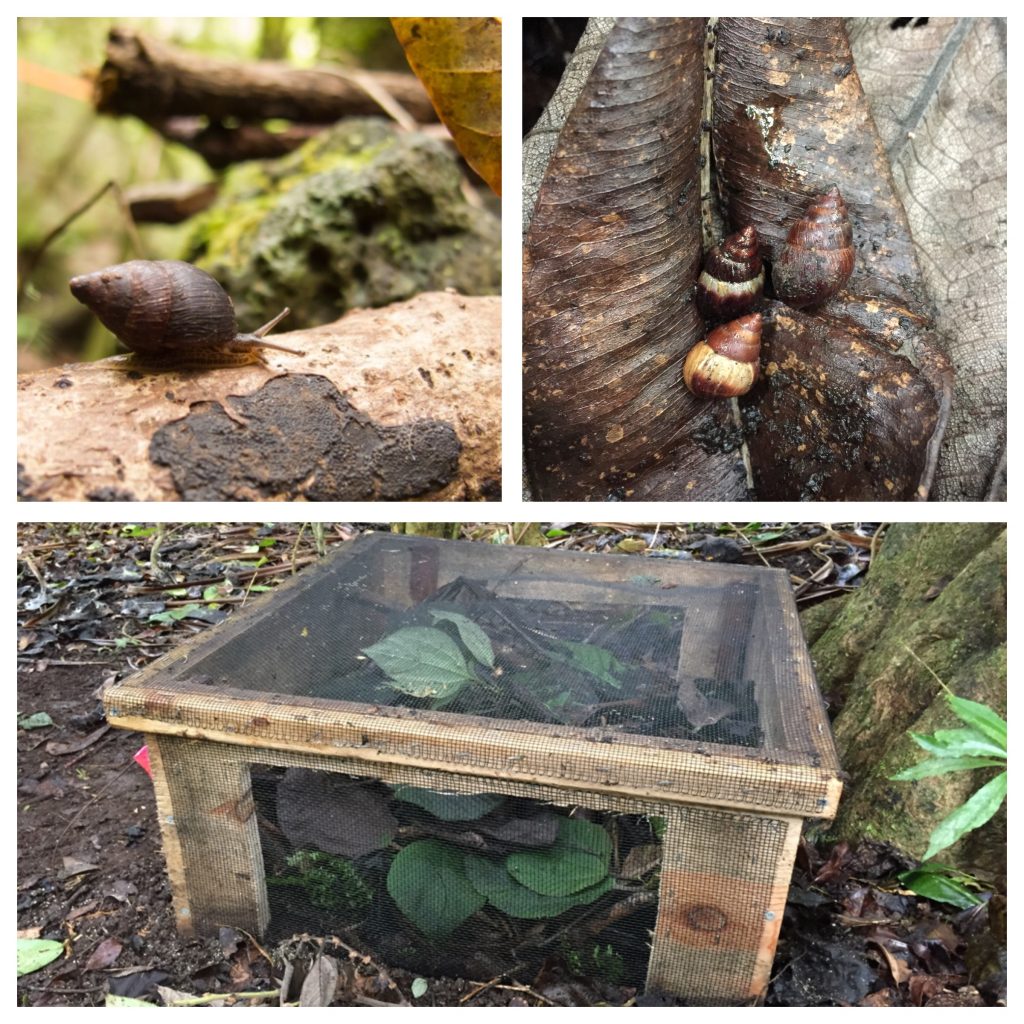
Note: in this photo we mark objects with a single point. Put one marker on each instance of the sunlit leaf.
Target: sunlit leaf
(458, 60)
(34, 954)
(981, 717)
(936, 882)
(959, 743)
(941, 765)
(422, 662)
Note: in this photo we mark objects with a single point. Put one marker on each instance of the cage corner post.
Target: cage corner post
(210, 835)
(724, 881)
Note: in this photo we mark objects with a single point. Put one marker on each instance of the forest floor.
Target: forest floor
(95, 604)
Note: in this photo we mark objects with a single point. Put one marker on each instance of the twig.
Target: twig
(218, 997)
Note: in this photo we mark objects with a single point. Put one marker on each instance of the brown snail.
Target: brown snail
(170, 313)
(817, 259)
(732, 281)
(726, 363)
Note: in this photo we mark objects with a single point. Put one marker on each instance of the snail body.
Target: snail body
(732, 281)
(171, 313)
(727, 362)
(817, 259)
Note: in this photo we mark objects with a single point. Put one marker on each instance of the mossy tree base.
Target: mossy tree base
(936, 592)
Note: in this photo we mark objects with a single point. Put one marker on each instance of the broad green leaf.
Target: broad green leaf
(450, 806)
(175, 614)
(981, 717)
(579, 859)
(969, 816)
(939, 885)
(555, 533)
(940, 765)
(959, 743)
(418, 988)
(422, 662)
(472, 636)
(505, 893)
(428, 883)
(595, 661)
(34, 954)
(37, 721)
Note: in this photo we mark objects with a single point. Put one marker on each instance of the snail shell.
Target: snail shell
(732, 281)
(817, 259)
(726, 363)
(170, 313)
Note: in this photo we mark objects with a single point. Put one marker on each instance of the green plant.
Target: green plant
(981, 744)
(331, 883)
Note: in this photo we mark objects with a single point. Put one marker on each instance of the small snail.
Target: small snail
(170, 313)
(732, 281)
(818, 256)
(726, 363)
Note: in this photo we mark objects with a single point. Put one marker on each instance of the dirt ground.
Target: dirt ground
(91, 873)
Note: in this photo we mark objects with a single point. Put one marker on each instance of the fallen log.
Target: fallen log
(398, 403)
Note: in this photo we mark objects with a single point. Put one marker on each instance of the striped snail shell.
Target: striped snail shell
(817, 259)
(726, 363)
(732, 281)
(171, 313)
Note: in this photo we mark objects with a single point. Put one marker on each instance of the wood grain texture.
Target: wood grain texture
(610, 258)
(938, 95)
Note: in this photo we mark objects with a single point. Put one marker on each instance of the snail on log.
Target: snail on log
(172, 314)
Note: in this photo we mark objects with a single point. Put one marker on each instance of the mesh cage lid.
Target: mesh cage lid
(663, 677)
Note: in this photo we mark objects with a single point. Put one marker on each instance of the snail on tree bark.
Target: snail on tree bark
(727, 362)
(732, 281)
(171, 313)
(817, 259)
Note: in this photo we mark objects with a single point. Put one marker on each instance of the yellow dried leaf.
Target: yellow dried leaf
(458, 60)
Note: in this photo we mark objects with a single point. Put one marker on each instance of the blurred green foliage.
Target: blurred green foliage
(66, 152)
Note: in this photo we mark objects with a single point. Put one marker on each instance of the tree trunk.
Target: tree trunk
(937, 591)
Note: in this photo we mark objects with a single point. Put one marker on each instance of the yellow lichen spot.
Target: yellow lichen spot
(922, 492)
(889, 485)
(858, 348)
(778, 78)
(691, 484)
(871, 306)
(615, 433)
(611, 218)
(863, 374)
(771, 369)
(819, 396)
(801, 447)
(660, 359)
(586, 248)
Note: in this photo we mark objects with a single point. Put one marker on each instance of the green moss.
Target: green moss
(361, 216)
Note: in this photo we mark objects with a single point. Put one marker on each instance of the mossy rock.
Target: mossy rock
(361, 216)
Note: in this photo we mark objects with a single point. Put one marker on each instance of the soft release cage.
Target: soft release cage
(467, 759)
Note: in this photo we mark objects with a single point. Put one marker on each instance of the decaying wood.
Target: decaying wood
(937, 89)
(149, 78)
(169, 202)
(221, 145)
(400, 402)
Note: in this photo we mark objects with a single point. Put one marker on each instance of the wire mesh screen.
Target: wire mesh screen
(697, 654)
(475, 885)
